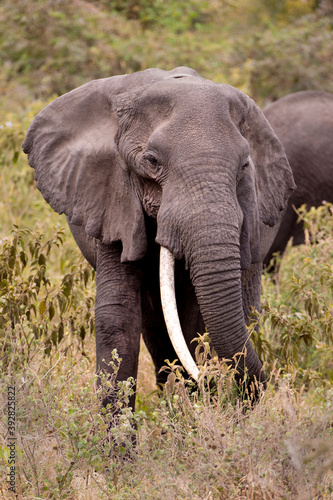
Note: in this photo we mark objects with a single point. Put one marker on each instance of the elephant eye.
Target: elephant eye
(241, 171)
(152, 160)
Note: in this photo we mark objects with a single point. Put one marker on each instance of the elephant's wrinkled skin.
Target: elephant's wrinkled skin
(165, 158)
(304, 124)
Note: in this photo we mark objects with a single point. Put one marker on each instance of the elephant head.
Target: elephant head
(197, 157)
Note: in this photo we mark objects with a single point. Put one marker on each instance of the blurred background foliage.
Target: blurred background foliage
(266, 48)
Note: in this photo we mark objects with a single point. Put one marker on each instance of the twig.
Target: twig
(100, 487)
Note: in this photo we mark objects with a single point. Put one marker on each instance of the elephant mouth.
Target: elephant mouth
(169, 306)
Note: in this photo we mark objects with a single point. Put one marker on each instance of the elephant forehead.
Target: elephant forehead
(194, 94)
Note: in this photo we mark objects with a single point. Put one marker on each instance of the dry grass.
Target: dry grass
(187, 446)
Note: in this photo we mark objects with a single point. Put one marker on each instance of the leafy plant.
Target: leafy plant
(175, 16)
(36, 307)
(297, 323)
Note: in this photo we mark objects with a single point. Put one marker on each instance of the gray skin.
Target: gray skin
(304, 124)
(165, 158)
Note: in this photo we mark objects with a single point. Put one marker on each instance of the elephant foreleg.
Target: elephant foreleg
(118, 314)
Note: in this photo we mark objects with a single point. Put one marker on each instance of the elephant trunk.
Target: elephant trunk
(204, 228)
(215, 272)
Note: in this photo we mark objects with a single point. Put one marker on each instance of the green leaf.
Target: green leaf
(62, 302)
(60, 332)
(15, 157)
(41, 260)
(82, 332)
(51, 311)
(54, 337)
(67, 285)
(23, 258)
(42, 307)
(86, 275)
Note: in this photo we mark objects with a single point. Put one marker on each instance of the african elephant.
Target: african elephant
(165, 160)
(304, 124)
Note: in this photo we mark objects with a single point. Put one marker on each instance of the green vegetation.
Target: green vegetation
(203, 444)
(267, 48)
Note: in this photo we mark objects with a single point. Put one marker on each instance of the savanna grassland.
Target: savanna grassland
(199, 444)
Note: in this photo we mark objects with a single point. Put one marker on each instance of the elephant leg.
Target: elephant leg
(117, 314)
(157, 340)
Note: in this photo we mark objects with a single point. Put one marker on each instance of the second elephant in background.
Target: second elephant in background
(304, 124)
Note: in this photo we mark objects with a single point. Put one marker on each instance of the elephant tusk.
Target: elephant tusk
(169, 306)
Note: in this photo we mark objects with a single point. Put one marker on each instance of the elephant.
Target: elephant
(303, 122)
(165, 162)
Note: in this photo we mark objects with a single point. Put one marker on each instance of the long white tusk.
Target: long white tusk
(169, 306)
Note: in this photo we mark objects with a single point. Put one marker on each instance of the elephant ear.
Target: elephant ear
(71, 146)
(250, 251)
(267, 182)
(274, 177)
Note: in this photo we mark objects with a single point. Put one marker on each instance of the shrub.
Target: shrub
(297, 321)
(279, 61)
(37, 308)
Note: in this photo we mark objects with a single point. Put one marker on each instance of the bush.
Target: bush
(280, 61)
(36, 307)
(297, 320)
